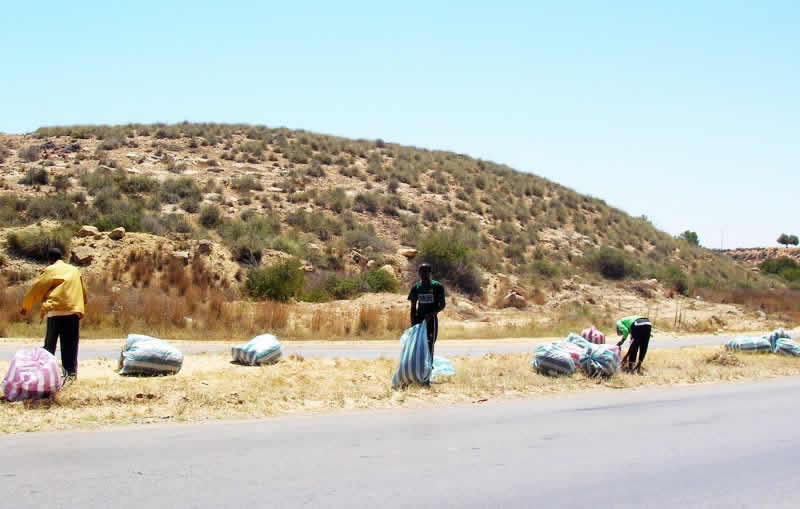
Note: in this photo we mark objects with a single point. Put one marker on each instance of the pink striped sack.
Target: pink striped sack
(592, 335)
(574, 351)
(33, 374)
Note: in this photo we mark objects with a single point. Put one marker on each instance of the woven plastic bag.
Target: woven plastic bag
(578, 340)
(787, 347)
(600, 360)
(574, 350)
(749, 344)
(775, 335)
(415, 358)
(32, 374)
(263, 349)
(144, 355)
(442, 368)
(593, 335)
(553, 360)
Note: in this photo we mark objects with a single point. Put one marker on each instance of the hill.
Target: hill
(251, 197)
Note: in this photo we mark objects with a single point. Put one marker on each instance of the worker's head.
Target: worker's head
(425, 272)
(54, 254)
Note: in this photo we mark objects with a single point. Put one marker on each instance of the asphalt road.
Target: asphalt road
(734, 445)
(92, 349)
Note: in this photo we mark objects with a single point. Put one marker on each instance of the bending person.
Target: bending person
(639, 328)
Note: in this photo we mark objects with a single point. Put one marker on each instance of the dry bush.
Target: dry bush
(397, 320)
(722, 358)
(269, 316)
(369, 320)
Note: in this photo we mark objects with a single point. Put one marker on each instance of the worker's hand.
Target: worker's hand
(23, 311)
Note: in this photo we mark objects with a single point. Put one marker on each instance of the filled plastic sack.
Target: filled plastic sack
(32, 374)
(553, 360)
(144, 355)
(787, 347)
(775, 335)
(442, 368)
(593, 335)
(578, 340)
(749, 344)
(600, 360)
(574, 351)
(263, 349)
(415, 358)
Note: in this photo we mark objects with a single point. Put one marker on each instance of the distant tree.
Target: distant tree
(784, 239)
(690, 237)
(793, 240)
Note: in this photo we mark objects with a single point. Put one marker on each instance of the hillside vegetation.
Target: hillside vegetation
(333, 211)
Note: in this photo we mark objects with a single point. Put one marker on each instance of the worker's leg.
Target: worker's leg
(644, 340)
(51, 336)
(632, 353)
(70, 335)
(433, 332)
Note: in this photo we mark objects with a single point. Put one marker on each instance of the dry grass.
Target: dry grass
(209, 387)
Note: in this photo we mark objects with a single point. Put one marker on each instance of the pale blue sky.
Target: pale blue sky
(686, 112)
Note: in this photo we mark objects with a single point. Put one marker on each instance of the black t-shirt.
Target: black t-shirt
(429, 298)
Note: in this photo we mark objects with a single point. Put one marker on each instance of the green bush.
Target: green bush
(366, 202)
(379, 280)
(175, 190)
(279, 282)
(34, 244)
(452, 260)
(35, 177)
(58, 207)
(246, 183)
(783, 267)
(139, 184)
(210, 216)
(544, 269)
(674, 277)
(613, 263)
(364, 238)
(248, 238)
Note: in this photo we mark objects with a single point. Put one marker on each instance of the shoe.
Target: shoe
(68, 379)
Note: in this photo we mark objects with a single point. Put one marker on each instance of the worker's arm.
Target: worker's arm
(37, 292)
(413, 311)
(440, 304)
(85, 293)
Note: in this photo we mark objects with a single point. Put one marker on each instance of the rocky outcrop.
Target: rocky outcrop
(88, 231)
(755, 256)
(204, 247)
(408, 252)
(82, 256)
(117, 233)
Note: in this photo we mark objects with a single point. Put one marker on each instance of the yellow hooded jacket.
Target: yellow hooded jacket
(61, 289)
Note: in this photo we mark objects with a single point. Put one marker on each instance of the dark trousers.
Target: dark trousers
(640, 340)
(433, 332)
(68, 329)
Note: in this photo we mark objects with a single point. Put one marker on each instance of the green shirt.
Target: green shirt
(429, 297)
(624, 325)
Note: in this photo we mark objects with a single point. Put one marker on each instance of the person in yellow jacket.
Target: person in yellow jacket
(62, 293)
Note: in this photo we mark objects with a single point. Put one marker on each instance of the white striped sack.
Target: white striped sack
(552, 360)
(415, 358)
(787, 347)
(749, 344)
(442, 368)
(600, 360)
(144, 355)
(32, 374)
(593, 335)
(578, 340)
(263, 349)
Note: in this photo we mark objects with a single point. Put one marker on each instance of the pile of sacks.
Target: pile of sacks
(561, 358)
(778, 341)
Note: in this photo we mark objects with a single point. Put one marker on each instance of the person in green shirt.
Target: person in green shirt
(427, 300)
(639, 328)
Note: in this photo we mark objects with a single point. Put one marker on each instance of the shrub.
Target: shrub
(380, 281)
(342, 287)
(35, 177)
(248, 238)
(366, 202)
(544, 269)
(210, 216)
(452, 260)
(783, 267)
(139, 184)
(612, 263)
(191, 204)
(674, 277)
(175, 190)
(363, 238)
(246, 183)
(58, 207)
(34, 244)
(279, 282)
(30, 153)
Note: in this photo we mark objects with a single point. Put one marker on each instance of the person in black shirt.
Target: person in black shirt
(427, 300)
